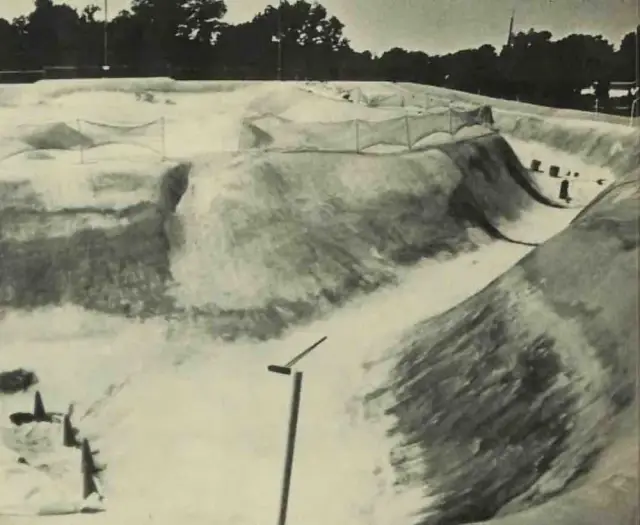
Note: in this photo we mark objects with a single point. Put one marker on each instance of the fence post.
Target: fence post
(68, 437)
(81, 145)
(406, 124)
(162, 127)
(88, 469)
(39, 412)
(357, 136)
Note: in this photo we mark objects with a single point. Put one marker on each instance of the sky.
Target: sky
(433, 26)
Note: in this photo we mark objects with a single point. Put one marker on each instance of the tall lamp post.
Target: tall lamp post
(292, 427)
(637, 95)
(105, 38)
(280, 40)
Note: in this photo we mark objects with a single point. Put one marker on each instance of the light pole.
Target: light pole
(280, 40)
(637, 94)
(637, 45)
(105, 37)
(292, 426)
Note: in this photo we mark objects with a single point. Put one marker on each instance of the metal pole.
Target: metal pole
(637, 93)
(291, 441)
(280, 40)
(105, 43)
(637, 45)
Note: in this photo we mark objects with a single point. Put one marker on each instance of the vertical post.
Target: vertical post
(88, 468)
(68, 438)
(162, 138)
(406, 125)
(291, 439)
(357, 136)
(636, 96)
(280, 40)
(105, 36)
(39, 412)
(81, 146)
(637, 48)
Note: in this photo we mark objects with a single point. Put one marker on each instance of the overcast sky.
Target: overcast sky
(434, 26)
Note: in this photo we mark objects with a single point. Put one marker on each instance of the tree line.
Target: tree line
(297, 39)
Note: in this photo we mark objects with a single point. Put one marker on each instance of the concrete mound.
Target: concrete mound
(56, 136)
(302, 232)
(252, 137)
(88, 252)
(358, 135)
(526, 390)
(618, 150)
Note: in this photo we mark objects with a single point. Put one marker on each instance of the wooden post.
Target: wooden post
(81, 146)
(68, 439)
(162, 125)
(88, 470)
(291, 439)
(39, 412)
(406, 124)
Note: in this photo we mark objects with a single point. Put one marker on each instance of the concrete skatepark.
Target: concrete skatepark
(162, 242)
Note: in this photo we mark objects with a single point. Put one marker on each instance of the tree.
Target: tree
(88, 15)
(474, 70)
(10, 50)
(188, 38)
(173, 32)
(312, 42)
(625, 58)
(51, 34)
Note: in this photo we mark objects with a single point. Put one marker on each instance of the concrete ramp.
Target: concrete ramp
(504, 402)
